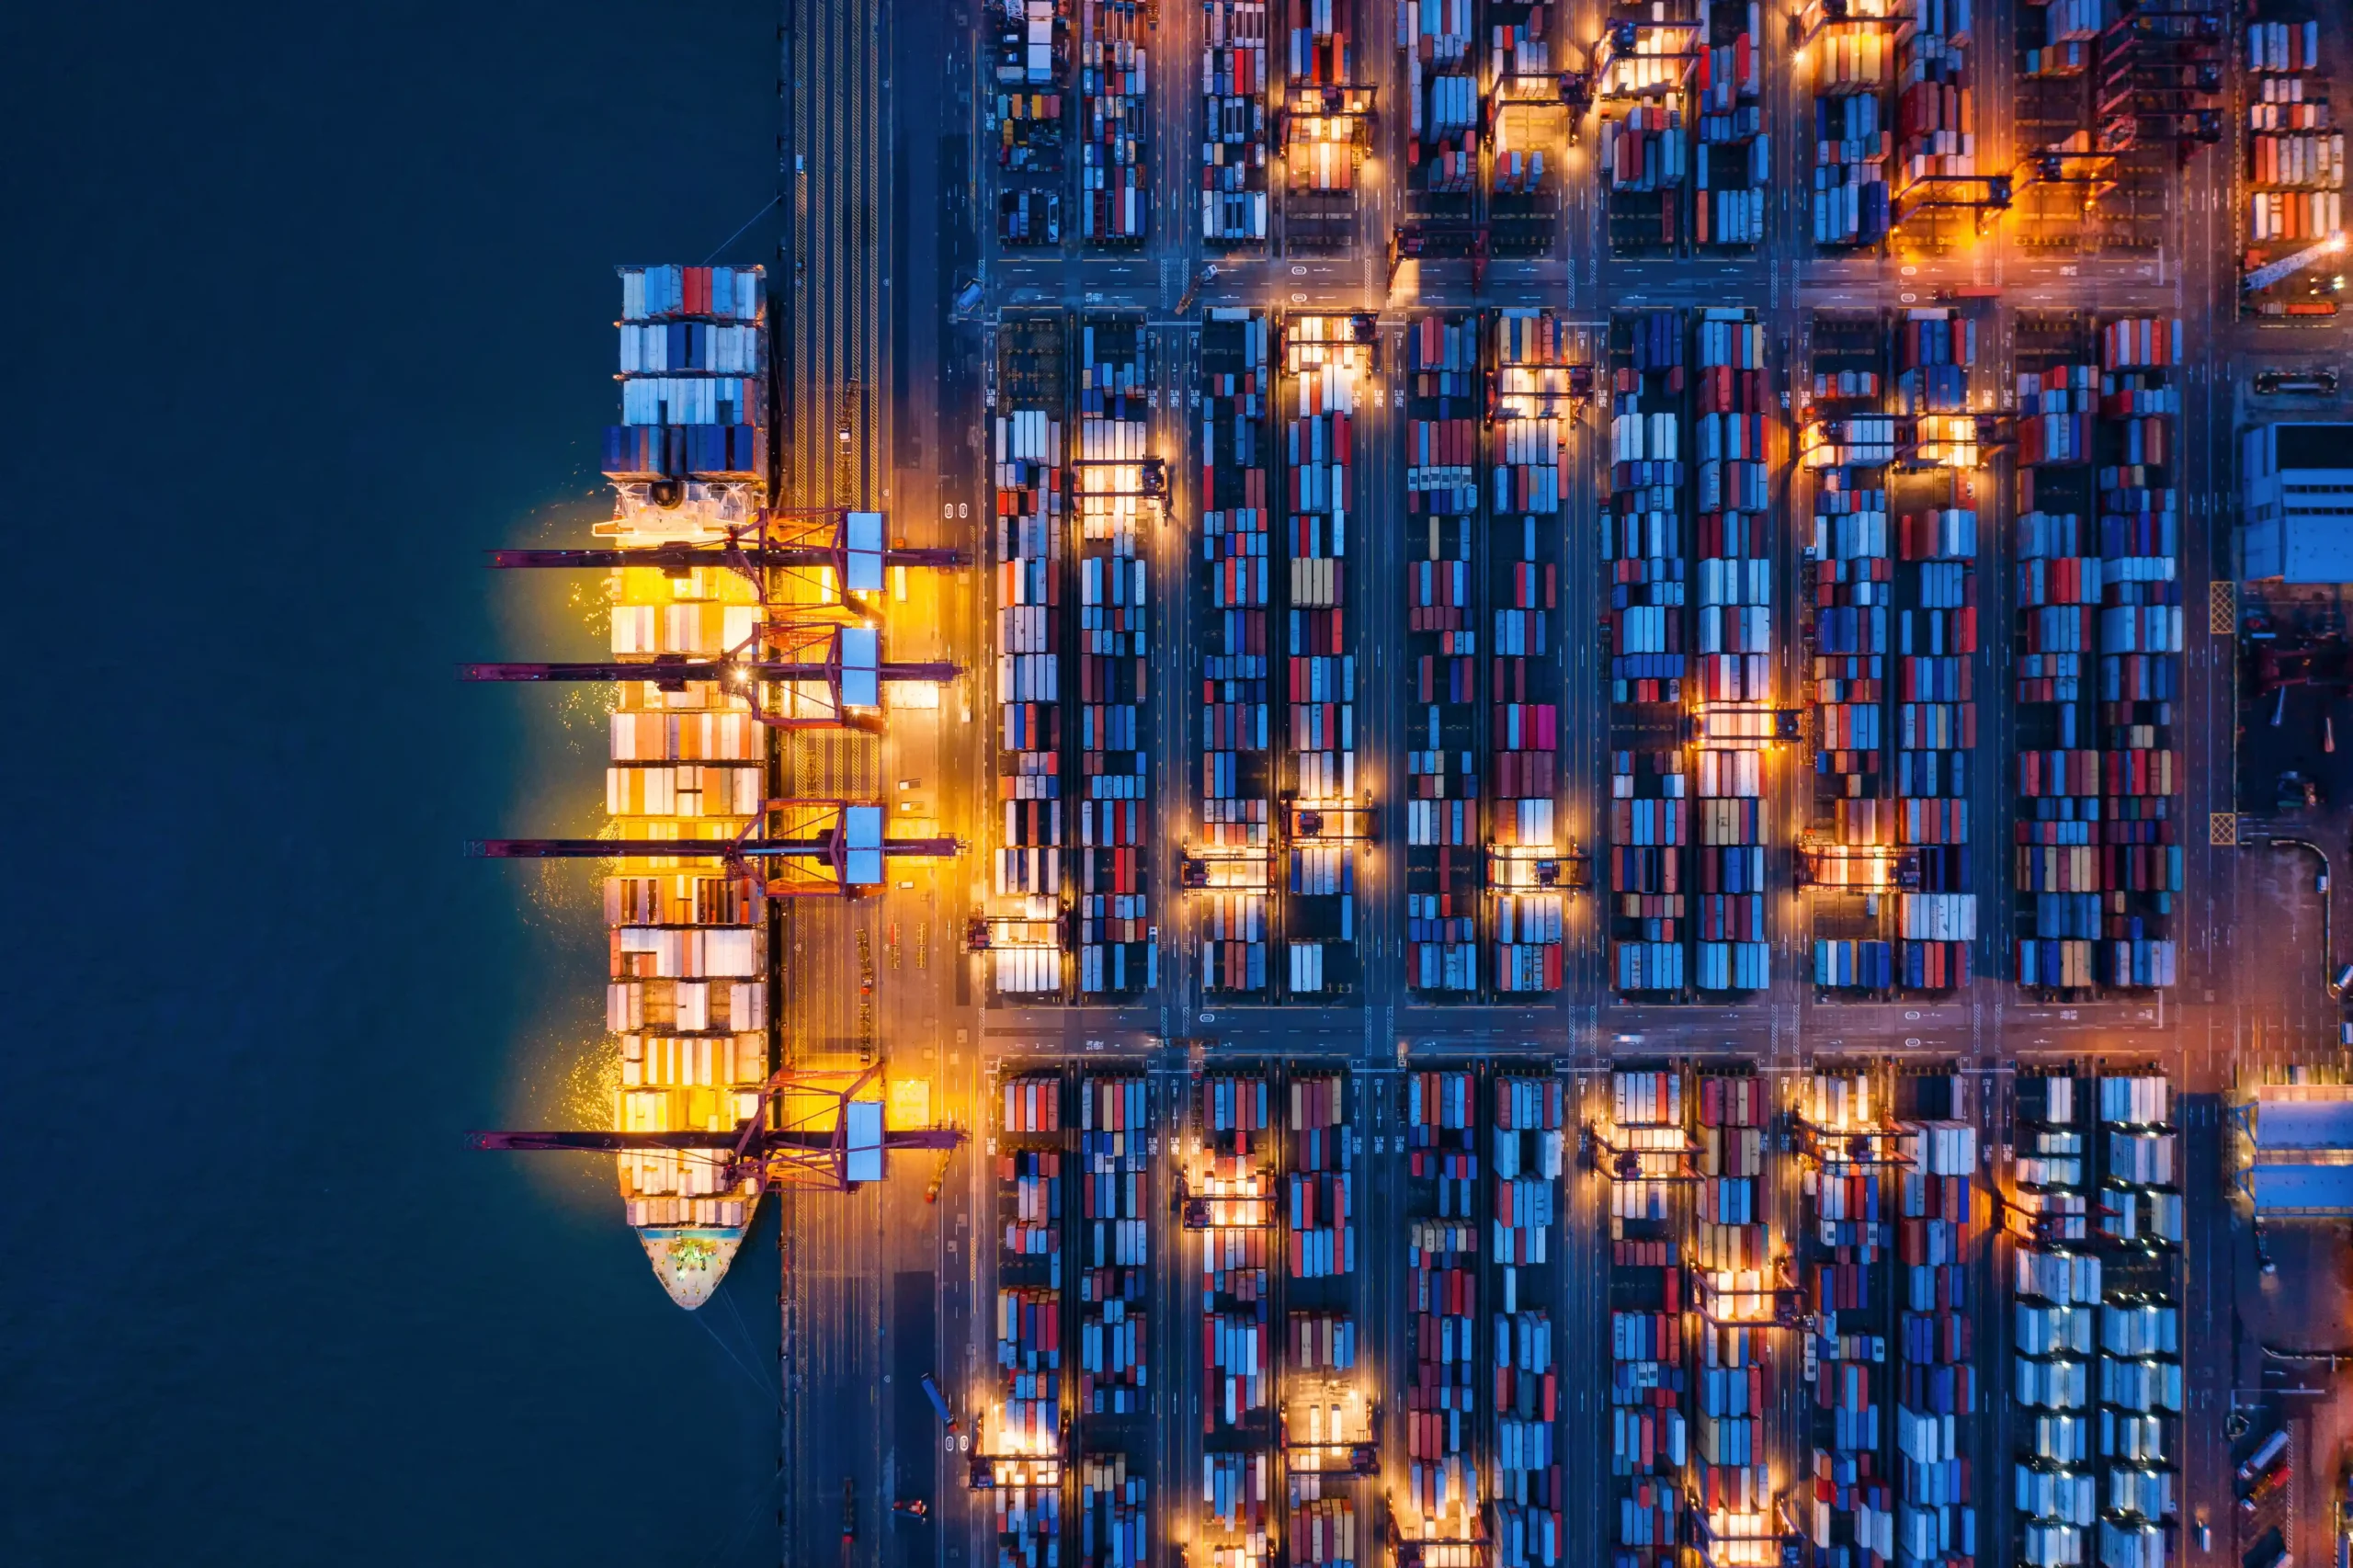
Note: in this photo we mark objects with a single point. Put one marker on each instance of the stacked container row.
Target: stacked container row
(1850, 1520)
(1443, 1306)
(1237, 793)
(1233, 115)
(1525, 1481)
(2295, 165)
(1114, 82)
(1443, 832)
(2054, 1294)
(1733, 161)
(1937, 1243)
(1649, 1444)
(1028, 552)
(1733, 1271)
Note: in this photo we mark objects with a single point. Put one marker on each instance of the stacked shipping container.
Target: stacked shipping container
(1936, 117)
(1525, 1482)
(1023, 1441)
(1031, 626)
(1117, 953)
(2057, 870)
(2140, 1393)
(1936, 1524)
(1533, 352)
(1647, 1442)
(2055, 1289)
(1443, 115)
(1327, 120)
(1115, 1250)
(1238, 835)
(1733, 160)
(1236, 1188)
(1643, 541)
(1115, 199)
(1234, 114)
(1645, 142)
(1851, 1518)
(693, 375)
(1854, 66)
(1442, 1279)
(1935, 648)
(1442, 827)
(1323, 362)
(1851, 578)
(2295, 155)
(1733, 1269)
(1735, 651)
(1328, 1427)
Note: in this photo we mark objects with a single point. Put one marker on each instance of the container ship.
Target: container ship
(686, 998)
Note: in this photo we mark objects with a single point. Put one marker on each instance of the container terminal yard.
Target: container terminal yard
(1513, 843)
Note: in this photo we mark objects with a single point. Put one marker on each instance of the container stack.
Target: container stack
(1321, 1213)
(2060, 37)
(1328, 1426)
(1234, 1195)
(1531, 357)
(1850, 572)
(1237, 760)
(1033, 80)
(1851, 1523)
(1936, 1524)
(1114, 1264)
(2055, 1292)
(1441, 95)
(1114, 1517)
(2057, 873)
(1645, 142)
(1733, 159)
(2139, 1391)
(693, 375)
(1023, 1436)
(1235, 1492)
(1731, 1264)
(1650, 807)
(1114, 80)
(1735, 649)
(1936, 117)
(1116, 954)
(1442, 826)
(1324, 363)
(2295, 165)
(1647, 1382)
(1936, 713)
(2139, 649)
(1854, 66)
(1526, 1481)
(1442, 1275)
(1233, 110)
(1327, 118)
(1029, 555)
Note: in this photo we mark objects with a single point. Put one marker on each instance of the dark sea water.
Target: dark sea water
(307, 307)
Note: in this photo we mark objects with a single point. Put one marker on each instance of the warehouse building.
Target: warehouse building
(2299, 525)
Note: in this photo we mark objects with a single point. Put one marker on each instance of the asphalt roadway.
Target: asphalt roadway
(888, 211)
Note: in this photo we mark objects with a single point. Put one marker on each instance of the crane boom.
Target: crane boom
(689, 849)
(2288, 266)
(535, 1141)
(709, 555)
(700, 669)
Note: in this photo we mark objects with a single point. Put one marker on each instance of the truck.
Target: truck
(938, 1403)
(2261, 1460)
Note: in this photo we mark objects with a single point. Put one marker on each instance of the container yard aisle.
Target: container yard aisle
(1443, 831)
(1233, 856)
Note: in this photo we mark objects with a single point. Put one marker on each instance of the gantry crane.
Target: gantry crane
(815, 849)
(853, 546)
(825, 1139)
